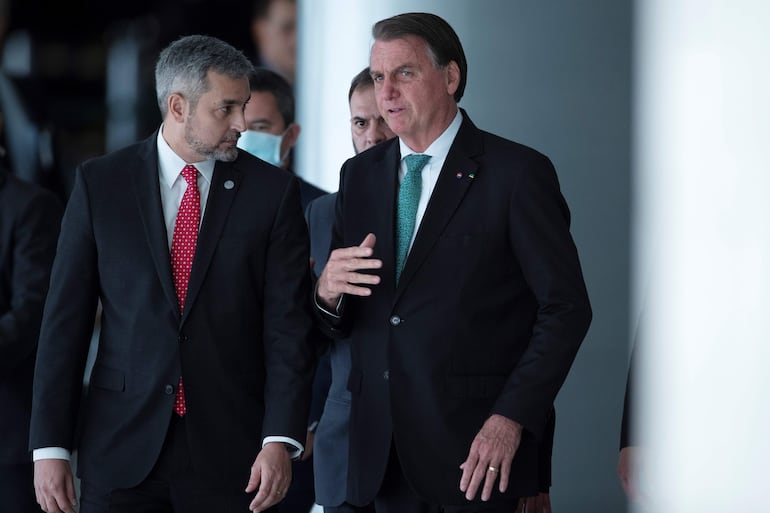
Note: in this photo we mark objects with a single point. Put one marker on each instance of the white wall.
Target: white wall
(703, 250)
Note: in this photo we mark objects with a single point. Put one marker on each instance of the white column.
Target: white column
(702, 163)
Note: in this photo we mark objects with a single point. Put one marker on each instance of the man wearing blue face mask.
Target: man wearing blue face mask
(271, 132)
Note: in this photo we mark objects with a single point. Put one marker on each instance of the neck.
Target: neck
(422, 141)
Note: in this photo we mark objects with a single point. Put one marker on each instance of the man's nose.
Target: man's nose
(374, 135)
(239, 121)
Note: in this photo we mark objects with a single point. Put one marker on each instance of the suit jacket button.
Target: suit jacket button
(182, 338)
(395, 320)
(169, 389)
(386, 375)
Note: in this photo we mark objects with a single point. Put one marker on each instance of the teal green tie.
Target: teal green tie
(408, 198)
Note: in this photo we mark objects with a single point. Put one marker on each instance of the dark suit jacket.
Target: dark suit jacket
(308, 192)
(487, 317)
(241, 343)
(29, 227)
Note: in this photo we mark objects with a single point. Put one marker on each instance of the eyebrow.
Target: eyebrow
(408, 65)
(227, 102)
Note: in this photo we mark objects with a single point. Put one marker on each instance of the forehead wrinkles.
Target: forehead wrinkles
(400, 52)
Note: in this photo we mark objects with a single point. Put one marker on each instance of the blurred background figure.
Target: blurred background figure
(29, 228)
(630, 452)
(274, 34)
(271, 130)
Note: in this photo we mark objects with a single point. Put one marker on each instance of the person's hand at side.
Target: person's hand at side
(490, 457)
(308, 452)
(628, 471)
(54, 486)
(270, 476)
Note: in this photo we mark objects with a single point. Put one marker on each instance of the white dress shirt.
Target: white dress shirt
(438, 150)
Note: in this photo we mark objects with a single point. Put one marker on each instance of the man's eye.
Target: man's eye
(406, 73)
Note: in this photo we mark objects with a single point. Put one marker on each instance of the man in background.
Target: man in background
(274, 33)
(367, 128)
(271, 130)
(29, 227)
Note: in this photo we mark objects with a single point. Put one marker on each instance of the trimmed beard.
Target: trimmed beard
(208, 151)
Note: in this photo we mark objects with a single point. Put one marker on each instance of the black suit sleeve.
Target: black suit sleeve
(288, 319)
(68, 323)
(34, 234)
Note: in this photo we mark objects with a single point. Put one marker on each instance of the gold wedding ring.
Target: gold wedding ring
(492, 469)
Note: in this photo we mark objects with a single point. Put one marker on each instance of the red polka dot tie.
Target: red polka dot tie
(183, 250)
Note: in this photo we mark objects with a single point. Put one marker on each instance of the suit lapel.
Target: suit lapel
(384, 174)
(147, 188)
(454, 180)
(224, 185)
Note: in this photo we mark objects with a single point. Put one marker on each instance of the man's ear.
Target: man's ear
(290, 137)
(177, 107)
(452, 77)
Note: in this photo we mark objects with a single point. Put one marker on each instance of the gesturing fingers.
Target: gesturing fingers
(348, 271)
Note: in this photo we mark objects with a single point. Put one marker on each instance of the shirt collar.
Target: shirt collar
(171, 164)
(439, 148)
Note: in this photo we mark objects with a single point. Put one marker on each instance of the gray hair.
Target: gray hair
(183, 67)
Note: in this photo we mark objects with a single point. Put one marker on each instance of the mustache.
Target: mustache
(232, 137)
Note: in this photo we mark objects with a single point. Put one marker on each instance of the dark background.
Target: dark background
(66, 61)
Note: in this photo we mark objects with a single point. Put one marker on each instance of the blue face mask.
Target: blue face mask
(263, 145)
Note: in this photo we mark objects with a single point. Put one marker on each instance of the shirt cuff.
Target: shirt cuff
(50, 453)
(298, 447)
(338, 310)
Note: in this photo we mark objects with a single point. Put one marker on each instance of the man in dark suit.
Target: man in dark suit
(199, 255)
(459, 285)
(29, 227)
(367, 128)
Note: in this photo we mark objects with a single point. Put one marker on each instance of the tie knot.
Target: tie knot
(415, 162)
(190, 174)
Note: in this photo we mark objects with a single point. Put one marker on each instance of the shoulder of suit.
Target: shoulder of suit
(322, 201)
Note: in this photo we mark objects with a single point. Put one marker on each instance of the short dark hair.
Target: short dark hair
(360, 81)
(443, 43)
(263, 80)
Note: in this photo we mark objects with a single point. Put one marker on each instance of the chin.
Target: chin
(226, 155)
